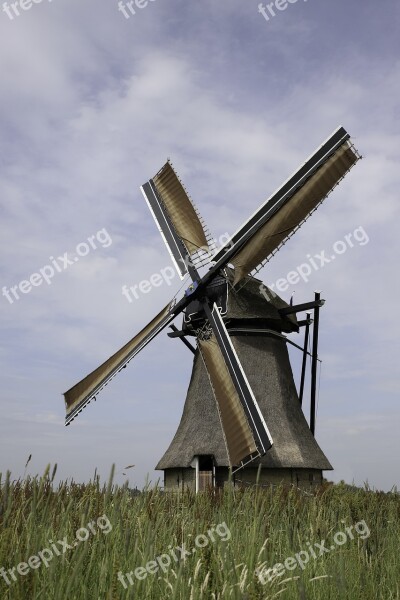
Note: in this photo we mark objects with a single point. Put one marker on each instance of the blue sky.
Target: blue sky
(92, 105)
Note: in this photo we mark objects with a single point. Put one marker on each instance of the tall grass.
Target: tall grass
(266, 527)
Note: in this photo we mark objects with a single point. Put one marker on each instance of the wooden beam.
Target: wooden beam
(305, 352)
(290, 310)
(181, 335)
(314, 362)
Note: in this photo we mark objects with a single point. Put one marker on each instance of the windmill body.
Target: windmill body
(242, 411)
(197, 455)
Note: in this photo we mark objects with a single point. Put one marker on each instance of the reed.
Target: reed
(266, 527)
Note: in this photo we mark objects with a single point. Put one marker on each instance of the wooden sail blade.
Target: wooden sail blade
(245, 432)
(287, 209)
(176, 217)
(86, 390)
(177, 251)
(183, 214)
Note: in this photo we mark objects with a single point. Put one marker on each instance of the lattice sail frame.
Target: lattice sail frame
(201, 257)
(275, 221)
(255, 271)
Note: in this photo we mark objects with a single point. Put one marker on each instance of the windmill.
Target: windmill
(242, 409)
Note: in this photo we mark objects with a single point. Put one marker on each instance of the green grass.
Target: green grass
(266, 527)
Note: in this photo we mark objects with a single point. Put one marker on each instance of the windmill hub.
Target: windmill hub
(215, 292)
(205, 332)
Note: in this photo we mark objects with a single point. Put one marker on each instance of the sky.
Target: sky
(92, 104)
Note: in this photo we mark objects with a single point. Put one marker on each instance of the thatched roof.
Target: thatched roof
(265, 361)
(254, 300)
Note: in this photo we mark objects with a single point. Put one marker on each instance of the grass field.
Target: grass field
(79, 542)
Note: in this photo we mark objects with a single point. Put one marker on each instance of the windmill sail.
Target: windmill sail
(245, 432)
(286, 210)
(176, 217)
(237, 433)
(175, 247)
(83, 392)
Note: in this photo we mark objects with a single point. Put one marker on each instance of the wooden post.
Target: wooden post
(304, 364)
(314, 363)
